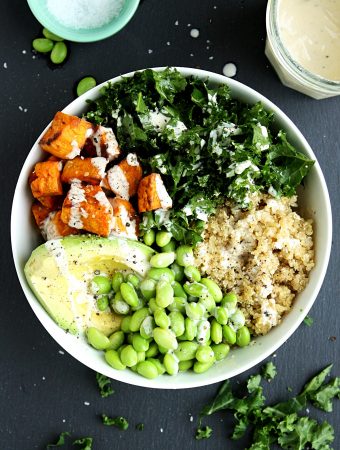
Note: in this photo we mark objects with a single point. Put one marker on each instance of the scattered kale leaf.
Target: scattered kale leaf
(104, 385)
(203, 433)
(60, 441)
(140, 426)
(118, 421)
(86, 443)
(280, 423)
(269, 371)
(308, 321)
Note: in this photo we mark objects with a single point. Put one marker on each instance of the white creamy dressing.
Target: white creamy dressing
(75, 150)
(132, 160)
(310, 31)
(202, 331)
(103, 200)
(269, 312)
(177, 129)
(48, 227)
(100, 164)
(129, 224)
(164, 198)
(105, 137)
(158, 119)
(77, 292)
(118, 182)
(76, 195)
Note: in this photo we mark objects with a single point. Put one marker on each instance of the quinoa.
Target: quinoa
(263, 254)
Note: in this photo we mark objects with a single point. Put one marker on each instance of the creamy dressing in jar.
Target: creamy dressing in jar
(310, 31)
(303, 45)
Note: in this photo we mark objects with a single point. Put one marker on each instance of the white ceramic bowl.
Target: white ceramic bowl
(314, 202)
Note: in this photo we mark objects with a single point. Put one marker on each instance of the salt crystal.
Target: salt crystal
(191, 419)
(86, 403)
(61, 352)
(84, 14)
(24, 52)
(150, 51)
(229, 70)
(191, 54)
(5, 65)
(211, 57)
(21, 108)
(176, 23)
(43, 378)
(63, 420)
(168, 43)
(194, 33)
(161, 430)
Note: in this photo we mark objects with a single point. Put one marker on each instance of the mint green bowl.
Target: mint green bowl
(43, 15)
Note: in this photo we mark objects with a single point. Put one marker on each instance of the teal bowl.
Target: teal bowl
(43, 15)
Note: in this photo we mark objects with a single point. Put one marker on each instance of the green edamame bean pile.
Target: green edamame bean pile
(174, 320)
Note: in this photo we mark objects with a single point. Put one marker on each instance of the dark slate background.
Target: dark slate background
(42, 392)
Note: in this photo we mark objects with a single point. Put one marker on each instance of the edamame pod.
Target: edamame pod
(171, 364)
(177, 324)
(42, 45)
(213, 289)
(242, 337)
(186, 350)
(97, 339)
(116, 340)
(165, 338)
(164, 294)
(163, 238)
(58, 53)
(129, 294)
(147, 370)
(162, 260)
(85, 84)
(137, 319)
(113, 359)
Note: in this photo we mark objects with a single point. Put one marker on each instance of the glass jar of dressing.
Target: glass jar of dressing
(303, 45)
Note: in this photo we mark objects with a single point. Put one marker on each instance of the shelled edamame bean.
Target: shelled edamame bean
(174, 320)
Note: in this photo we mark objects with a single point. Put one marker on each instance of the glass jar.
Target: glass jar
(291, 73)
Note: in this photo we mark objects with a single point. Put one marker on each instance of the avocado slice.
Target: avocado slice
(60, 271)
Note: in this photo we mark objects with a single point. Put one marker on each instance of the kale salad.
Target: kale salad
(206, 145)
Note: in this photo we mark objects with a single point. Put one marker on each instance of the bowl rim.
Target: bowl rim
(90, 34)
(197, 380)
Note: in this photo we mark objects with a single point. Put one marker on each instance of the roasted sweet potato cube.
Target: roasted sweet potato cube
(86, 207)
(46, 179)
(89, 170)
(124, 178)
(40, 213)
(102, 142)
(125, 220)
(152, 194)
(66, 136)
(53, 227)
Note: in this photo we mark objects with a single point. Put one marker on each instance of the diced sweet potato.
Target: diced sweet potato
(103, 142)
(40, 213)
(90, 170)
(152, 194)
(125, 219)
(87, 208)
(124, 178)
(46, 179)
(53, 227)
(66, 136)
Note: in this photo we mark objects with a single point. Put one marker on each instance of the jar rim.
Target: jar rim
(295, 69)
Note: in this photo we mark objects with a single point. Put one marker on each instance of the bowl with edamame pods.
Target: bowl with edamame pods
(82, 20)
(175, 326)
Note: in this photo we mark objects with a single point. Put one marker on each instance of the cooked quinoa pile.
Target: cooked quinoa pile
(264, 255)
